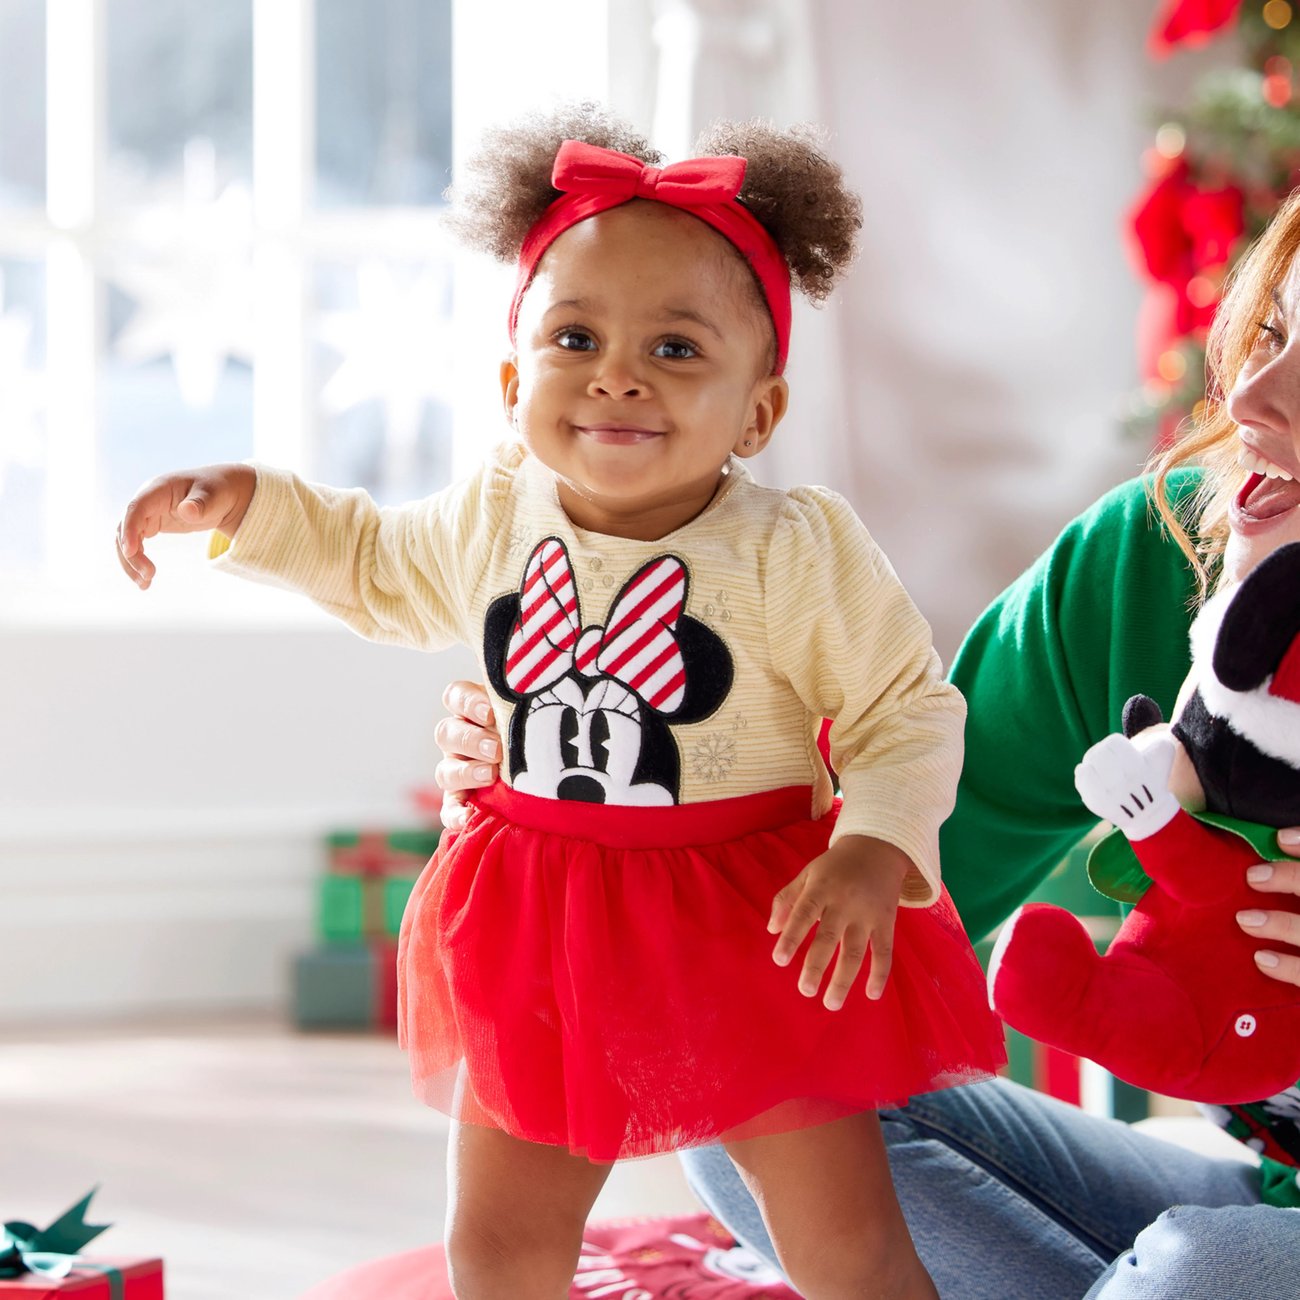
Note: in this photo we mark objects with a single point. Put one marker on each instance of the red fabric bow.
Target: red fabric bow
(690, 184)
(593, 180)
(637, 647)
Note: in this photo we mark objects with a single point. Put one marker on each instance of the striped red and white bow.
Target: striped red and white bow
(637, 647)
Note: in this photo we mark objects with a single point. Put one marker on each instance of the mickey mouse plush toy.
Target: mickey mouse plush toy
(1177, 1005)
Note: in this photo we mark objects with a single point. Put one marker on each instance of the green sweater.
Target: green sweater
(1103, 614)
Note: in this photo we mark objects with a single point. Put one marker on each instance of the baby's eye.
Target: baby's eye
(575, 340)
(676, 349)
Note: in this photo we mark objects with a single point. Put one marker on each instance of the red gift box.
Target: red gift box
(142, 1279)
(49, 1261)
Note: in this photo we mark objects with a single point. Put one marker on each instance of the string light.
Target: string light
(1171, 366)
(1201, 291)
(1171, 139)
(1277, 14)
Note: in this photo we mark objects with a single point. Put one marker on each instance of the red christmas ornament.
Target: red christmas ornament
(1177, 232)
(1188, 22)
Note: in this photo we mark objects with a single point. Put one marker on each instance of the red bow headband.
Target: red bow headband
(594, 180)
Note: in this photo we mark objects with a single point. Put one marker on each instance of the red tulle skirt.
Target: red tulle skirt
(601, 978)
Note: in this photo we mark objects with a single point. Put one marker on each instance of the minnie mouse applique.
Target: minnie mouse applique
(595, 704)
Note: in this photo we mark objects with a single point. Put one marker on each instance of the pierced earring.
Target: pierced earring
(749, 442)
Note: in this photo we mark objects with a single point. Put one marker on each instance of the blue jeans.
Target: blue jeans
(1011, 1195)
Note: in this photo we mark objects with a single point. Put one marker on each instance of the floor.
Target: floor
(255, 1160)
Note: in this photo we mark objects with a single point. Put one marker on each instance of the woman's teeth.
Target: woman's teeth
(1258, 465)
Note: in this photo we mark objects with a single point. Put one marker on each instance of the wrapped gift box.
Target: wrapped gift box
(397, 890)
(354, 909)
(141, 1279)
(49, 1261)
(378, 853)
(346, 986)
(371, 875)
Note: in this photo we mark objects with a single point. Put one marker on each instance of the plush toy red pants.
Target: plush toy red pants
(1177, 1004)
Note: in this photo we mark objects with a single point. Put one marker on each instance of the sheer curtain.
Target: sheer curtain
(964, 386)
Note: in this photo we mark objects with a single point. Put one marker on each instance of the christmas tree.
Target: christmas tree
(1216, 174)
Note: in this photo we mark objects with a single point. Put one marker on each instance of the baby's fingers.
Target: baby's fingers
(135, 563)
(794, 912)
(818, 958)
(882, 958)
(853, 949)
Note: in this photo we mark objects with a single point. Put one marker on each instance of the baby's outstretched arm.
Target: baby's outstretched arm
(190, 501)
(851, 894)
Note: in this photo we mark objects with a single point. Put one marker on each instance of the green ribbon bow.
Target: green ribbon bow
(54, 1252)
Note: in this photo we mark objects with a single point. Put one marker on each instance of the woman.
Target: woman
(1009, 1193)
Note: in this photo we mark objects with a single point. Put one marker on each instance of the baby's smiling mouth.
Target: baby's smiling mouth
(615, 434)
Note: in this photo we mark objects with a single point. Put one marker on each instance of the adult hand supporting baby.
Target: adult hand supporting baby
(1284, 927)
(191, 501)
(471, 749)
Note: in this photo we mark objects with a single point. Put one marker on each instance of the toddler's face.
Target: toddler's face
(643, 361)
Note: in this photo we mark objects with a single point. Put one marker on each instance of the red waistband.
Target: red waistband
(671, 826)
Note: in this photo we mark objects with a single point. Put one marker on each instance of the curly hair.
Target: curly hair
(791, 186)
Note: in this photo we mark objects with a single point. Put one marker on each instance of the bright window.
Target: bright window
(219, 239)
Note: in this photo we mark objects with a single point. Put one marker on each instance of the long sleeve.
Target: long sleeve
(846, 635)
(1046, 670)
(399, 575)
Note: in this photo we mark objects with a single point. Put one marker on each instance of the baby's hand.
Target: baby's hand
(851, 894)
(191, 501)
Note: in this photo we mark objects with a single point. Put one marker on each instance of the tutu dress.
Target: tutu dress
(587, 964)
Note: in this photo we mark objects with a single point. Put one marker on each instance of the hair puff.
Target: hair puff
(791, 186)
(798, 194)
(507, 183)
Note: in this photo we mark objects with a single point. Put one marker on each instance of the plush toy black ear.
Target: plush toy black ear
(1261, 621)
(1140, 712)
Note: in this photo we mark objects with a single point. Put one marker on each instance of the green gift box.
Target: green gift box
(397, 890)
(341, 908)
(378, 853)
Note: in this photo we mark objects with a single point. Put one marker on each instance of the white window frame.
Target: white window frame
(528, 54)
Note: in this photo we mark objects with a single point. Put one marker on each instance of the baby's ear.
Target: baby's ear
(509, 387)
(770, 402)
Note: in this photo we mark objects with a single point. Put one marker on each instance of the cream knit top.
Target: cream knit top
(812, 616)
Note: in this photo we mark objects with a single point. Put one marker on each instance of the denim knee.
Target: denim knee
(1194, 1253)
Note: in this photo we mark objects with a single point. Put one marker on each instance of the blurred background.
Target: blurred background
(220, 239)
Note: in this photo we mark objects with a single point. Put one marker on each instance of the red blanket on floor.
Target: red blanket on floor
(688, 1258)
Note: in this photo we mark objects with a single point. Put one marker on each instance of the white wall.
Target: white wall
(163, 795)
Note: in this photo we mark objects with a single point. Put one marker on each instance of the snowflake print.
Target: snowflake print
(518, 541)
(713, 757)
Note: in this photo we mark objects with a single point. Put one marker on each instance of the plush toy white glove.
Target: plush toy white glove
(1129, 785)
